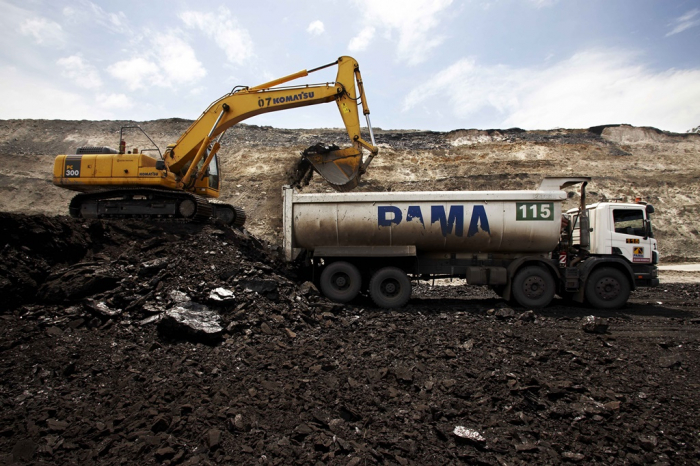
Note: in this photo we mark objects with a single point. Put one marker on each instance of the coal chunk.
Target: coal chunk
(191, 321)
(593, 324)
(267, 288)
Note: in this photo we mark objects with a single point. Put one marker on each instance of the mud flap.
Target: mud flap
(339, 167)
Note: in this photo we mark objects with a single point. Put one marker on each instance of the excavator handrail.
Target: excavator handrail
(271, 89)
(121, 138)
(298, 86)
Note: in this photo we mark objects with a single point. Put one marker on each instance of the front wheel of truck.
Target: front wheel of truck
(607, 288)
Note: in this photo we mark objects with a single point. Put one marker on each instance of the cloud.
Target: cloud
(79, 72)
(44, 31)
(115, 101)
(232, 39)
(415, 22)
(687, 21)
(169, 62)
(89, 12)
(177, 60)
(25, 96)
(591, 88)
(316, 28)
(542, 3)
(361, 41)
(137, 72)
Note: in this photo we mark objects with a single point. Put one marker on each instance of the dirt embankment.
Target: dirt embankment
(624, 162)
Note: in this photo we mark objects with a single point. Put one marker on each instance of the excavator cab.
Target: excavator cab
(208, 185)
(213, 175)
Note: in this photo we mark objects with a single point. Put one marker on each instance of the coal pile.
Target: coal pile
(153, 343)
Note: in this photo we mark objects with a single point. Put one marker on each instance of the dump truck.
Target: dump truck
(519, 243)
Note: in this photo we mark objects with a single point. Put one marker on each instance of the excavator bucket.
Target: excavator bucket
(340, 167)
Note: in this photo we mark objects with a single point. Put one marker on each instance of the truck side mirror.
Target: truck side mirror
(649, 209)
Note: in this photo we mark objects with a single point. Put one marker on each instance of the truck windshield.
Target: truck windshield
(629, 221)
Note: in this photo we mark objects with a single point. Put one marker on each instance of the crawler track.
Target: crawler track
(155, 204)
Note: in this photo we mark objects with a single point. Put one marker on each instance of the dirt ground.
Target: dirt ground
(155, 343)
(624, 161)
(96, 368)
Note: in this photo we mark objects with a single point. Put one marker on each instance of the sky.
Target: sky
(426, 64)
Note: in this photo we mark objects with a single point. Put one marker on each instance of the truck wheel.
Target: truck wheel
(607, 288)
(533, 287)
(390, 288)
(340, 282)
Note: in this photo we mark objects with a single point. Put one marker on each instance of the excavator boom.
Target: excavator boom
(340, 169)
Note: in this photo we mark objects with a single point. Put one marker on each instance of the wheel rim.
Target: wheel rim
(534, 287)
(340, 281)
(607, 288)
(390, 288)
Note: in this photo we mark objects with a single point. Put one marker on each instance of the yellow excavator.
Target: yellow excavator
(176, 185)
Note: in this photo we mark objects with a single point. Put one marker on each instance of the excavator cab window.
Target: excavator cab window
(214, 173)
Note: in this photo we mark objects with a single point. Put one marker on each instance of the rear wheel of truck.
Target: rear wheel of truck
(533, 287)
(607, 288)
(390, 288)
(340, 282)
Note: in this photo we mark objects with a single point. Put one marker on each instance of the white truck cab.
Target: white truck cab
(624, 230)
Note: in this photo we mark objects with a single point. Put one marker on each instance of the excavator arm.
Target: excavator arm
(342, 168)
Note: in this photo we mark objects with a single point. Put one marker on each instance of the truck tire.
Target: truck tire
(607, 288)
(340, 282)
(390, 288)
(533, 287)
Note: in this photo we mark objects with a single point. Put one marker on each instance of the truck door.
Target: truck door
(628, 234)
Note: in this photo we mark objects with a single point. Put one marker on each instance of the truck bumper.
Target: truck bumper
(646, 276)
(646, 283)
